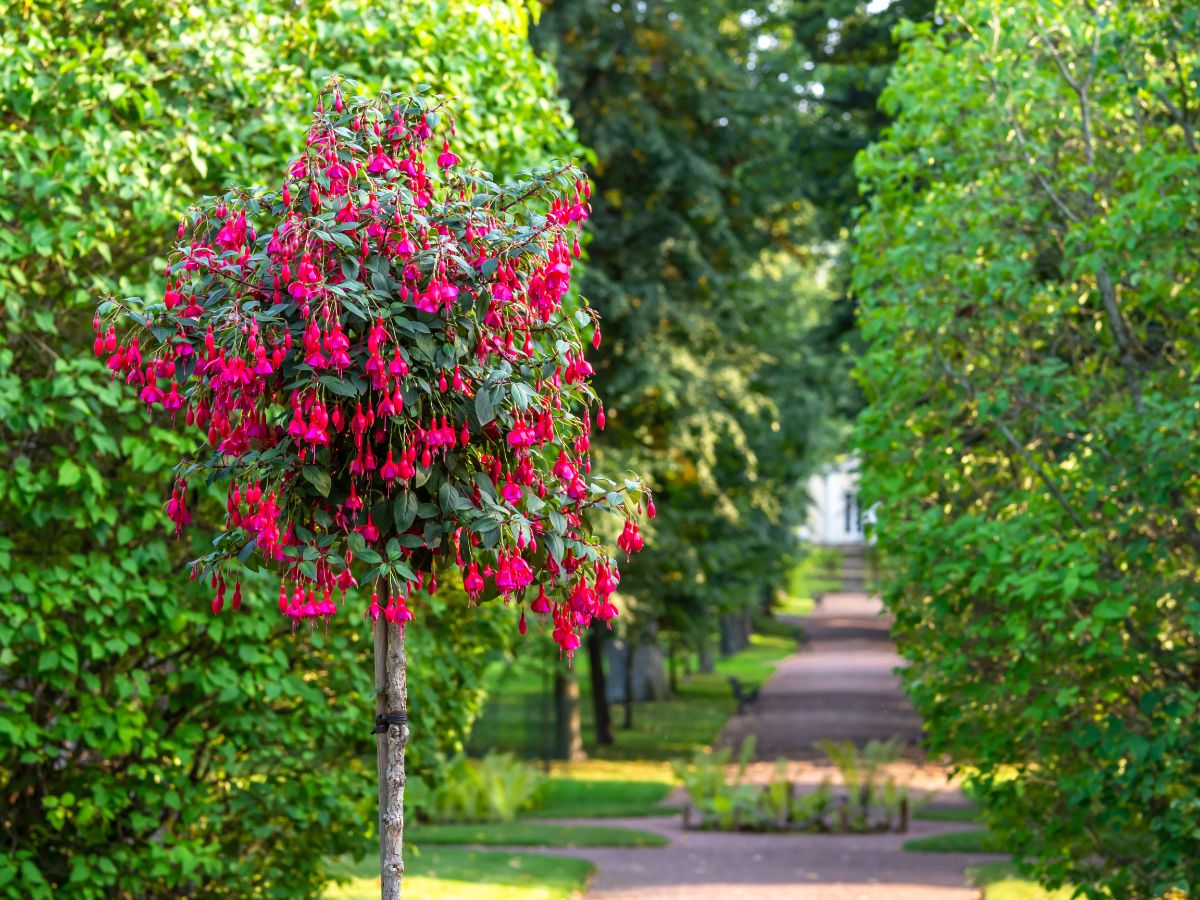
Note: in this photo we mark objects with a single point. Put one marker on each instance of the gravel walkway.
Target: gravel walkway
(840, 686)
(708, 865)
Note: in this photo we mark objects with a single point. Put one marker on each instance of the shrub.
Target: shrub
(492, 789)
(1028, 276)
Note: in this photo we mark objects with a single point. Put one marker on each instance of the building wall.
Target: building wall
(835, 518)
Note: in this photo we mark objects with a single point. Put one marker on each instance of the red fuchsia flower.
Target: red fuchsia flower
(173, 401)
(446, 159)
(630, 541)
(397, 611)
(381, 162)
(389, 471)
(541, 604)
(177, 510)
(473, 582)
(511, 492)
(521, 436)
(565, 636)
(302, 379)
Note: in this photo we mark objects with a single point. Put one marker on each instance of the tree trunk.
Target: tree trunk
(707, 663)
(672, 675)
(628, 674)
(604, 732)
(393, 699)
(570, 736)
(381, 738)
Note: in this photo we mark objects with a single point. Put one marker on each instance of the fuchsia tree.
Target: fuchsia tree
(379, 359)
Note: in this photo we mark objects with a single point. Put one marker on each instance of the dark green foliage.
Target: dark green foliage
(148, 749)
(1029, 276)
(850, 50)
(698, 222)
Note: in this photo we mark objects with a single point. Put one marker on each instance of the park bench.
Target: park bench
(744, 694)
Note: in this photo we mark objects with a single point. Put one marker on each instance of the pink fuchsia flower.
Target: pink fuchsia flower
(446, 159)
(630, 540)
(511, 492)
(473, 582)
(381, 162)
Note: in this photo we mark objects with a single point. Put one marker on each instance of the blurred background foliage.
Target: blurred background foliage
(716, 259)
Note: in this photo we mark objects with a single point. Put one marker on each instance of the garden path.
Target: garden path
(841, 685)
(710, 865)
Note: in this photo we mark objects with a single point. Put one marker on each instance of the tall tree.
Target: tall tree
(1028, 269)
(689, 119)
(849, 48)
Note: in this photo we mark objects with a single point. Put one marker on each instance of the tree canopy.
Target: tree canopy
(699, 207)
(1028, 272)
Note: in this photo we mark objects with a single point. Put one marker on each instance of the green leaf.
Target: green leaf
(68, 473)
(404, 510)
(485, 406)
(339, 387)
(318, 478)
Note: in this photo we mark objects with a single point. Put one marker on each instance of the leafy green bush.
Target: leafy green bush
(721, 800)
(1028, 277)
(492, 789)
(147, 749)
(874, 799)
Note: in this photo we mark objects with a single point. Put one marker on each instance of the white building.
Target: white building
(835, 518)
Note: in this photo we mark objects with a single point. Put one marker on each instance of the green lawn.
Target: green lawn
(449, 874)
(949, 814)
(602, 798)
(1000, 881)
(662, 729)
(668, 729)
(533, 834)
(971, 840)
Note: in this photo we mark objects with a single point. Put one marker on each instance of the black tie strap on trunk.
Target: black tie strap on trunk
(392, 718)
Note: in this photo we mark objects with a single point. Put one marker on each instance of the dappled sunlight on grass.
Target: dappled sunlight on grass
(667, 729)
(602, 797)
(533, 834)
(1000, 881)
(449, 874)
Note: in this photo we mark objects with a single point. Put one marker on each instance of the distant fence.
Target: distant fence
(518, 722)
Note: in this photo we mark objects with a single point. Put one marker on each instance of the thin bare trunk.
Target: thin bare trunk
(381, 738)
(391, 833)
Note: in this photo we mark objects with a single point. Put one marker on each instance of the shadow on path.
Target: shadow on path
(842, 686)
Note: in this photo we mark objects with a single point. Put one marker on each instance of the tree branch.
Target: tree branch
(1055, 491)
